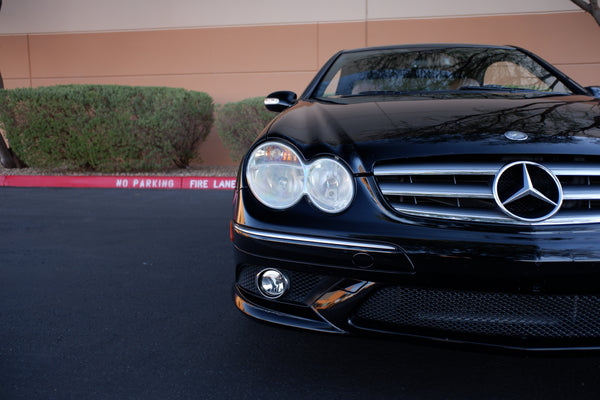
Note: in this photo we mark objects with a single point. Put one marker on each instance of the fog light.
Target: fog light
(272, 283)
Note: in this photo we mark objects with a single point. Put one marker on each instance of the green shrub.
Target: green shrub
(105, 128)
(238, 124)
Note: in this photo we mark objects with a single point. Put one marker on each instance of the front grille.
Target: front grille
(463, 191)
(301, 284)
(486, 314)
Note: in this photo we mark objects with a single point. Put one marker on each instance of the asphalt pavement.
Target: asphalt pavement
(126, 294)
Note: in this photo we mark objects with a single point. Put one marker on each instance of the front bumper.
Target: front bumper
(349, 299)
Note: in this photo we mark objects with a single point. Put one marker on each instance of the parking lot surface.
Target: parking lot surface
(126, 294)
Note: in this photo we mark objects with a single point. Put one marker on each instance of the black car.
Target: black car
(449, 192)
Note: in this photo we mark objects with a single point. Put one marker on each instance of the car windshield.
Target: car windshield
(424, 71)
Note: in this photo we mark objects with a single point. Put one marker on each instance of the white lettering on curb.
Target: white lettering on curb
(224, 184)
(167, 183)
(146, 183)
(154, 183)
(199, 184)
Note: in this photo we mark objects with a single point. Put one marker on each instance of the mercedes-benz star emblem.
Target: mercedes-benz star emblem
(527, 191)
(516, 135)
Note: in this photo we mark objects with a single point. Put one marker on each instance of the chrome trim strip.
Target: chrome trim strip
(438, 169)
(315, 241)
(561, 169)
(473, 192)
(436, 190)
(459, 214)
(471, 215)
(581, 193)
(573, 169)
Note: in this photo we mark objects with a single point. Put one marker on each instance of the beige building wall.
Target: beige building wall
(234, 49)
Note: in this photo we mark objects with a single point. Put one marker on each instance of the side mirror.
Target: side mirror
(594, 91)
(279, 101)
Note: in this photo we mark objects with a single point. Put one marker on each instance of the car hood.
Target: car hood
(365, 132)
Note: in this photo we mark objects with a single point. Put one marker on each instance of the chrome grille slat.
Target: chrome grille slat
(559, 169)
(458, 214)
(438, 169)
(462, 191)
(415, 189)
(581, 193)
(562, 169)
(564, 218)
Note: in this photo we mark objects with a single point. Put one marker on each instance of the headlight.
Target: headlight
(279, 178)
(329, 185)
(276, 175)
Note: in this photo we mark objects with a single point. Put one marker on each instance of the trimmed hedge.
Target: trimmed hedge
(238, 124)
(105, 128)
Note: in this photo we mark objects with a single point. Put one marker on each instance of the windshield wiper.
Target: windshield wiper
(390, 93)
(496, 88)
(332, 100)
(375, 93)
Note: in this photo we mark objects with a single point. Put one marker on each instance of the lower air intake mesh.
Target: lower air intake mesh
(480, 313)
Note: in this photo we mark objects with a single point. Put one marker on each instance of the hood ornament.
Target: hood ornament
(516, 136)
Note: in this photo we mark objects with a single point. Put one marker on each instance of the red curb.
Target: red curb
(119, 182)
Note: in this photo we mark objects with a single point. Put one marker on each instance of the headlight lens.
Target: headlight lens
(329, 185)
(276, 175)
(278, 178)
